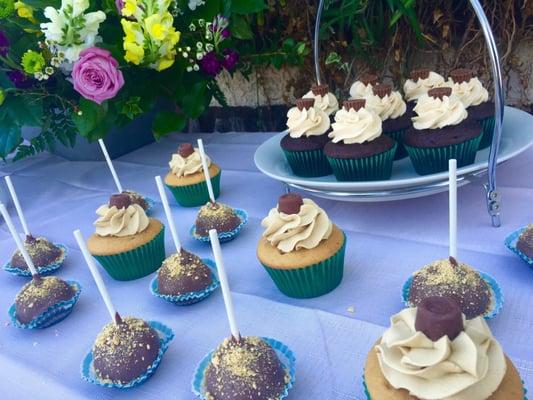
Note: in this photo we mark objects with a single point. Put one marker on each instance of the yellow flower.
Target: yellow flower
(25, 11)
(130, 6)
(155, 27)
(164, 63)
(134, 53)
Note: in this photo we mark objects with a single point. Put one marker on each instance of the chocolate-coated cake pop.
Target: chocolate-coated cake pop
(183, 273)
(137, 199)
(452, 279)
(216, 216)
(38, 295)
(247, 369)
(41, 251)
(124, 350)
(525, 241)
(439, 316)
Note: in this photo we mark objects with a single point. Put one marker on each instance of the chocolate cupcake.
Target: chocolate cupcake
(324, 100)
(247, 368)
(358, 151)
(441, 132)
(363, 86)
(183, 273)
(304, 144)
(42, 252)
(420, 82)
(525, 241)
(217, 216)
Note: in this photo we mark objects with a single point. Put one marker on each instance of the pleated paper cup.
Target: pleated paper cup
(136, 263)
(197, 194)
(488, 129)
(398, 137)
(312, 163)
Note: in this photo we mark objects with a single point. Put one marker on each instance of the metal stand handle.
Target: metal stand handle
(493, 198)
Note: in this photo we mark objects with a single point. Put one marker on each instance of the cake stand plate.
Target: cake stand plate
(405, 183)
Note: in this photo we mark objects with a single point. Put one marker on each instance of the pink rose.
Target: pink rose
(96, 75)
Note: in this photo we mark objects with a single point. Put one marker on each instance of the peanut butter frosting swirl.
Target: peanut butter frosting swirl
(414, 90)
(183, 166)
(471, 367)
(359, 90)
(327, 103)
(436, 113)
(471, 93)
(305, 230)
(307, 122)
(389, 107)
(353, 126)
(120, 222)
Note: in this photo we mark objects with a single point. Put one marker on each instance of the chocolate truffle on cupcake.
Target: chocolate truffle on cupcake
(186, 178)
(324, 99)
(127, 243)
(441, 132)
(304, 144)
(475, 99)
(358, 151)
(42, 252)
(433, 352)
(137, 199)
(301, 249)
(420, 82)
(363, 86)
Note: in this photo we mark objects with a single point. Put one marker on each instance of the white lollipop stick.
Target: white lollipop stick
(170, 219)
(215, 245)
(96, 275)
(452, 171)
(206, 170)
(17, 240)
(110, 165)
(15, 199)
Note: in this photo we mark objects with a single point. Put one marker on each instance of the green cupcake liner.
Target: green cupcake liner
(488, 130)
(398, 137)
(136, 263)
(430, 160)
(373, 168)
(312, 281)
(197, 194)
(309, 164)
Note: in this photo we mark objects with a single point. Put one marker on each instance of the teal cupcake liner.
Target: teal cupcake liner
(88, 372)
(189, 298)
(488, 129)
(430, 160)
(495, 290)
(312, 281)
(310, 164)
(398, 137)
(138, 262)
(44, 270)
(53, 315)
(223, 236)
(373, 168)
(284, 353)
(510, 243)
(197, 194)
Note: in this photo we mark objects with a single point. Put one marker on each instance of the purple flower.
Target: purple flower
(96, 75)
(4, 44)
(210, 64)
(225, 33)
(120, 5)
(231, 58)
(20, 79)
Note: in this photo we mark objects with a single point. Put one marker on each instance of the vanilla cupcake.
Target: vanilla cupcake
(324, 100)
(363, 86)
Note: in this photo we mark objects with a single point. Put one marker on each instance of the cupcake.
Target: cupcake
(46, 256)
(304, 144)
(363, 86)
(391, 108)
(433, 352)
(475, 99)
(301, 249)
(357, 150)
(420, 82)
(227, 221)
(525, 241)
(324, 100)
(441, 132)
(127, 243)
(186, 178)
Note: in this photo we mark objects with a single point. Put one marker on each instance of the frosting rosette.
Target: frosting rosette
(183, 166)
(360, 90)
(307, 122)
(436, 113)
(304, 230)
(415, 89)
(471, 93)
(391, 106)
(327, 103)
(120, 222)
(353, 126)
(471, 367)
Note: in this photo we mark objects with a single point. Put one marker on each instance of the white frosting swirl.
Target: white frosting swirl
(435, 113)
(471, 367)
(389, 107)
(414, 90)
(471, 93)
(355, 126)
(182, 166)
(327, 103)
(121, 222)
(359, 90)
(307, 122)
(305, 230)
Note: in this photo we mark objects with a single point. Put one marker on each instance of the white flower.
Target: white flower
(209, 47)
(193, 4)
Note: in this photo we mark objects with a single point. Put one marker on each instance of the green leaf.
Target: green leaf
(240, 27)
(92, 115)
(41, 4)
(247, 6)
(23, 110)
(10, 137)
(196, 100)
(166, 122)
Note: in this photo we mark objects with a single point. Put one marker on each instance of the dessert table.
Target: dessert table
(330, 335)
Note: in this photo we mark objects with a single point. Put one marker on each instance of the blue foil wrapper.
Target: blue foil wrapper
(224, 236)
(186, 299)
(496, 292)
(510, 243)
(53, 315)
(285, 355)
(151, 205)
(89, 374)
(43, 271)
